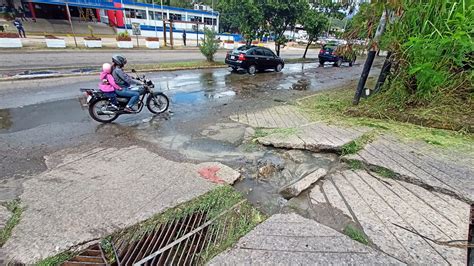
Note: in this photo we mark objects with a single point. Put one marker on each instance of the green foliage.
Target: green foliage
(364, 22)
(358, 144)
(314, 22)
(335, 106)
(281, 14)
(56, 260)
(16, 210)
(433, 51)
(356, 234)
(243, 16)
(209, 45)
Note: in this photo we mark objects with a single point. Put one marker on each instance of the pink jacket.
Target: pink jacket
(107, 83)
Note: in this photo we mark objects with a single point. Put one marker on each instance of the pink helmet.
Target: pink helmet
(107, 67)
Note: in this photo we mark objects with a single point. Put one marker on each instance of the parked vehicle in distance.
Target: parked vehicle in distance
(332, 53)
(253, 58)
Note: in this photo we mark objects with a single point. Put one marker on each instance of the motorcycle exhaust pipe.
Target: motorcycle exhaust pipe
(105, 113)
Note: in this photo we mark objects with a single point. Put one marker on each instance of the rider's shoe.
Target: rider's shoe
(129, 109)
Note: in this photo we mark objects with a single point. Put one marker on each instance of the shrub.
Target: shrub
(209, 45)
(123, 36)
(152, 39)
(9, 35)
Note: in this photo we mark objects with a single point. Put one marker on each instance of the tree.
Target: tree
(280, 15)
(209, 44)
(314, 24)
(244, 16)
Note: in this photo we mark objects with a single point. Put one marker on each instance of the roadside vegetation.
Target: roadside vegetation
(431, 79)
(335, 107)
(16, 210)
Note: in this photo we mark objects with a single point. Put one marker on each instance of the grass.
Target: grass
(358, 144)
(355, 164)
(283, 132)
(356, 234)
(16, 209)
(383, 172)
(335, 107)
(56, 260)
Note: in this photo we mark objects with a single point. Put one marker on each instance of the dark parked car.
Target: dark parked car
(331, 53)
(253, 58)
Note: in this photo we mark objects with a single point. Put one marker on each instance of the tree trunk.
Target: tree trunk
(370, 58)
(306, 50)
(384, 72)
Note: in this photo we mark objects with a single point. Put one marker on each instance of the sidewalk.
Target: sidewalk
(71, 204)
(406, 200)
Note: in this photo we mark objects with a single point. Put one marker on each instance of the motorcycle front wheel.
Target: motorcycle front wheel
(157, 103)
(98, 111)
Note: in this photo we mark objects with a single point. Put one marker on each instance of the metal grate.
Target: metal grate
(93, 255)
(180, 241)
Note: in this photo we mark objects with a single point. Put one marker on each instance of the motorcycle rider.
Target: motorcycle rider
(125, 81)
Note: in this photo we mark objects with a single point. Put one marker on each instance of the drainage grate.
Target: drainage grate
(93, 255)
(189, 239)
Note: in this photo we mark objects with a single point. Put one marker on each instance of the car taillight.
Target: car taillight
(321, 51)
(333, 53)
(227, 56)
(242, 57)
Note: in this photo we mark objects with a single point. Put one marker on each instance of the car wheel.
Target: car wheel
(252, 69)
(350, 63)
(279, 67)
(321, 63)
(338, 63)
(234, 69)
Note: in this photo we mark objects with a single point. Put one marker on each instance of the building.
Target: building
(122, 13)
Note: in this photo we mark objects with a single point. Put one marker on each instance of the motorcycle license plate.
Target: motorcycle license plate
(88, 99)
(232, 57)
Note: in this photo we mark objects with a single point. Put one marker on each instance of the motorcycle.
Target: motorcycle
(101, 110)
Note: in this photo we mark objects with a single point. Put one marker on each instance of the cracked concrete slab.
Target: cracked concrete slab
(416, 166)
(381, 206)
(314, 137)
(289, 239)
(284, 116)
(88, 195)
(294, 189)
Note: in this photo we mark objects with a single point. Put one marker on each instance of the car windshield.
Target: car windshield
(332, 47)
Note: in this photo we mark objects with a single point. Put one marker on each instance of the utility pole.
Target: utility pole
(70, 23)
(370, 58)
(154, 17)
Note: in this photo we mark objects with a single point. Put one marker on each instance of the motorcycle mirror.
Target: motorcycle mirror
(133, 70)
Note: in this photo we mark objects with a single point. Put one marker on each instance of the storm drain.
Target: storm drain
(188, 240)
(470, 249)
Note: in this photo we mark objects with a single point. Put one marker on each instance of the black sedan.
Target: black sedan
(253, 58)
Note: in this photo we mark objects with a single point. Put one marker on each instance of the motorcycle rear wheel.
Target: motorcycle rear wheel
(157, 103)
(98, 105)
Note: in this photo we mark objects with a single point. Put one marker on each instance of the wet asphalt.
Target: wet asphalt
(38, 117)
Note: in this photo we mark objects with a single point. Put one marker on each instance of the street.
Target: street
(47, 60)
(81, 180)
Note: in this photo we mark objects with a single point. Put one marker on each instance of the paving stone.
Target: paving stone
(313, 137)
(381, 205)
(289, 239)
(302, 184)
(88, 195)
(285, 116)
(414, 165)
